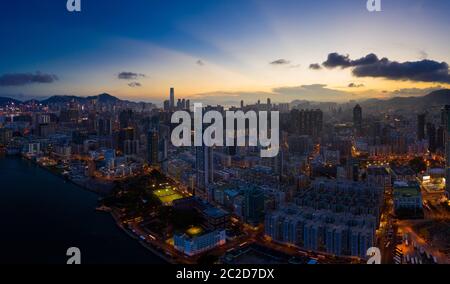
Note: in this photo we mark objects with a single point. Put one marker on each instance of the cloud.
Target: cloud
(355, 85)
(371, 66)
(423, 54)
(315, 66)
(135, 84)
(21, 79)
(419, 71)
(280, 62)
(338, 60)
(130, 75)
(414, 92)
(200, 62)
(315, 92)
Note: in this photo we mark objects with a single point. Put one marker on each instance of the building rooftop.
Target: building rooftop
(215, 212)
(194, 231)
(403, 171)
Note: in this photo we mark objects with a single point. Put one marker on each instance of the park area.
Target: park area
(167, 195)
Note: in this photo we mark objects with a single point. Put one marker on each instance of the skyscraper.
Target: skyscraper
(152, 147)
(254, 206)
(447, 150)
(357, 119)
(431, 133)
(307, 122)
(440, 140)
(421, 126)
(172, 99)
(444, 115)
(188, 105)
(166, 105)
(124, 135)
(125, 118)
(204, 167)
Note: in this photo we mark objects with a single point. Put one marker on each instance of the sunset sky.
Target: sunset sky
(224, 50)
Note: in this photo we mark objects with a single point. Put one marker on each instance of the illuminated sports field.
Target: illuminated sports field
(167, 195)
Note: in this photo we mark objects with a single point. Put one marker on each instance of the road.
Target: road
(407, 227)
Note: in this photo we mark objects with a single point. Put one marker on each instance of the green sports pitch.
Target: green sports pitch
(167, 195)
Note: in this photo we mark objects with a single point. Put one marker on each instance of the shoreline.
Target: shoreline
(135, 237)
(116, 219)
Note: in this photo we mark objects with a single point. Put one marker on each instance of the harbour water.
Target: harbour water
(41, 216)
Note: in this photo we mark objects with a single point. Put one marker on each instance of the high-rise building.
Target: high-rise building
(188, 105)
(5, 136)
(254, 206)
(307, 122)
(104, 126)
(421, 126)
(204, 166)
(124, 135)
(447, 149)
(152, 147)
(444, 115)
(440, 137)
(357, 119)
(431, 133)
(131, 147)
(166, 105)
(125, 118)
(172, 99)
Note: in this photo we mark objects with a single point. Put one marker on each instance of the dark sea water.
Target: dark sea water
(41, 216)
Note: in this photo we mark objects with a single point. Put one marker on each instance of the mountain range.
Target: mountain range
(102, 98)
(433, 99)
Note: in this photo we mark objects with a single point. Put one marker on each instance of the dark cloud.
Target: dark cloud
(130, 75)
(421, 71)
(315, 66)
(280, 62)
(338, 60)
(372, 66)
(21, 79)
(366, 60)
(354, 85)
(135, 84)
(200, 62)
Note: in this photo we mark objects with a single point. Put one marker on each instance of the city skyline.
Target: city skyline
(221, 51)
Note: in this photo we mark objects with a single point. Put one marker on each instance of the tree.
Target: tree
(418, 165)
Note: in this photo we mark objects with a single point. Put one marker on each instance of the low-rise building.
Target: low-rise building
(407, 199)
(196, 240)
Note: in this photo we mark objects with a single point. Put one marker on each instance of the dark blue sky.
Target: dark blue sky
(207, 46)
